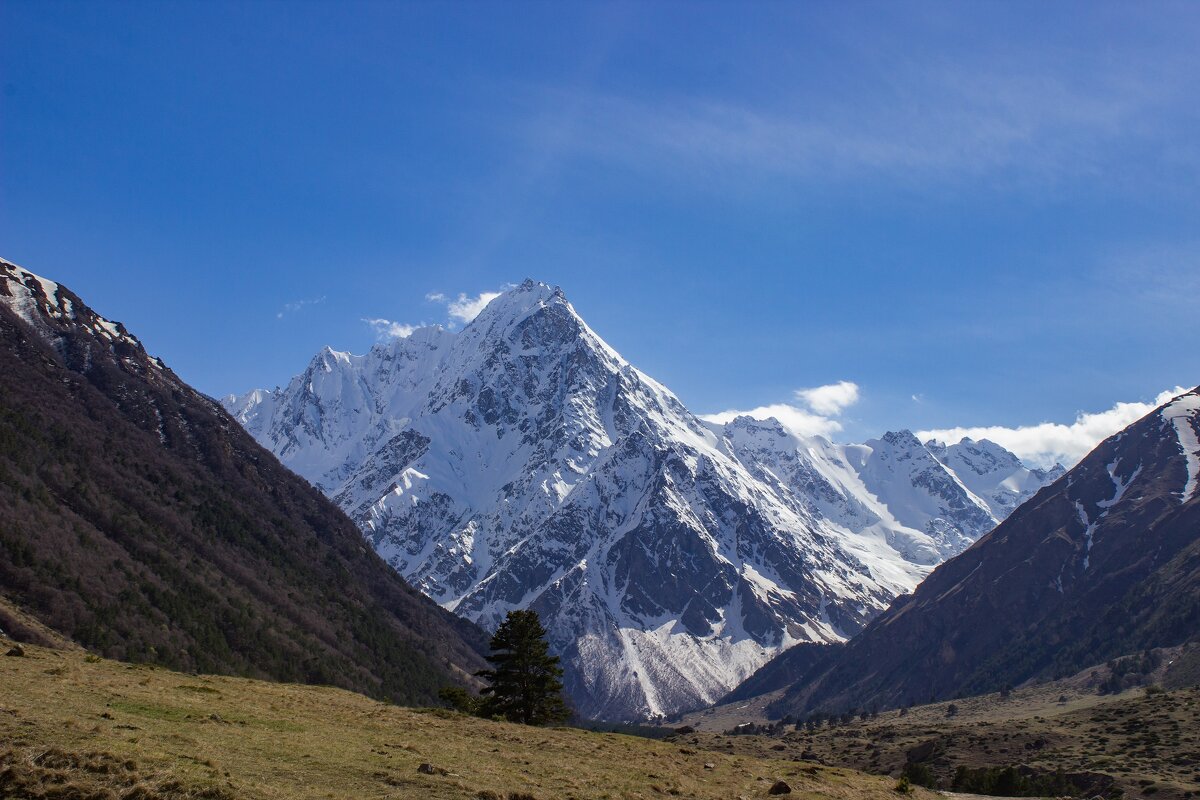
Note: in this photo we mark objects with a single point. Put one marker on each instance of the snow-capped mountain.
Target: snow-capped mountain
(1103, 563)
(925, 502)
(523, 463)
(993, 474)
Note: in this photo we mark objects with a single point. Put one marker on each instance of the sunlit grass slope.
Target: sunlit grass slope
(72, 725)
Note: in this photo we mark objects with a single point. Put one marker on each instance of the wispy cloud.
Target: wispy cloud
(815, 415)
(1006, 114)
(387, 329)
(1155, 276)
(298, 305)
(964, 141)
(1050, 442)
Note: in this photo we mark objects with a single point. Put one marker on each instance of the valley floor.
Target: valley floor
(76, 726)
(1133, 744)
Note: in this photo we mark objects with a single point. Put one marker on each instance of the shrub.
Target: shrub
(919, 775)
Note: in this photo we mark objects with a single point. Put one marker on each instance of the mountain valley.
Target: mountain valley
(521, 463)
(1131, 739)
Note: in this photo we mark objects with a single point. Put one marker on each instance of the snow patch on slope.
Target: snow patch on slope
(33, 298)
(1182, 414)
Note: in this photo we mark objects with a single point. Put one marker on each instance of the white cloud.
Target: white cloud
(829, 400)
(823, 403)
(386, 329)
(1048, 442)
(465, 309)
(435, 297)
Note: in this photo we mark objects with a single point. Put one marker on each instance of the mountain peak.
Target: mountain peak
(536, 318)
(530, 285)
(753, 427)
(329, 356)
(901, 438)
(515, 304)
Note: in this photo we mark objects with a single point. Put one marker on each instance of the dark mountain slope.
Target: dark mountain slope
(1103, 562)
(782, 671)
(139, 519)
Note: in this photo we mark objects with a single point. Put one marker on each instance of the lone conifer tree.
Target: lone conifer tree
(525, 685)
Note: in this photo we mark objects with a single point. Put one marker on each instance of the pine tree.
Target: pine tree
(525, 685)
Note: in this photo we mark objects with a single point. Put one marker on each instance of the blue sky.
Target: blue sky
(980, 214)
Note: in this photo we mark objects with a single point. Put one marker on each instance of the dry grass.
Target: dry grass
(1147, 743)
(24, 627)
(79, 727)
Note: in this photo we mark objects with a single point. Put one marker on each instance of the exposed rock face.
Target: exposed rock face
(523, 463)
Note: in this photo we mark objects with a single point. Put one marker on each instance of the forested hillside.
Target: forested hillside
(137, 518)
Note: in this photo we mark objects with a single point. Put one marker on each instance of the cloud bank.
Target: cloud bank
(1050, 442)
(815, 415)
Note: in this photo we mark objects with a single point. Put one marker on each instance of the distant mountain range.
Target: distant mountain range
(1103, 563)
(522, 462)
(139, 519)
